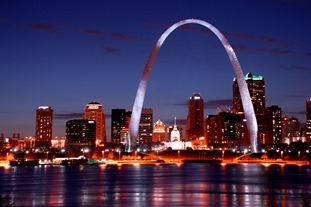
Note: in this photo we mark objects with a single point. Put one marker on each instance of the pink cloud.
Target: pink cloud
(240, 47)
(111, 50)
(43, 27)
(251, 37)
(299, 68)
(123, 36)
(91, 32)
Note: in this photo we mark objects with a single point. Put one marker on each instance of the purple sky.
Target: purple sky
(66, 54)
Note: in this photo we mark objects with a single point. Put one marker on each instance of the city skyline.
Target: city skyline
(66, 62)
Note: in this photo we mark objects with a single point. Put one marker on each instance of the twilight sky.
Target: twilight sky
(65, 54)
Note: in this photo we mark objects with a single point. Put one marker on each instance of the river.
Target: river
(190, 184)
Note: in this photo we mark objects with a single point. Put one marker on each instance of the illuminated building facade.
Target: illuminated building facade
(252, 127)
(145, 126)
(308, 120)
(273, 126)
(159, 132)
(170, 130)
(80, 133)
(214, 131)
(94, 111)
(290, 129)
(175, 134)
(125, 131)
(44, 125)
(256, 87)
(175, 141)
(58, 142)
(128, 115)
(118, 120)
(195, 118)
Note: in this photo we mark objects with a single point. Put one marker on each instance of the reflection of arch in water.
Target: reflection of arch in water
(245, 96)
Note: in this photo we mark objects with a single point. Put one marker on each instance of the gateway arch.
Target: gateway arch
(251, 121)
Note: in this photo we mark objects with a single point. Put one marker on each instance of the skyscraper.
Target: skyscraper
(308, 120)
(159, 132)
(256, 87)
(44, 125)
(94, 111)
(145, 126)
(273, 126)
(214, 131)
(195, 118)
(80, 133)
(118, 120)
(290, 129)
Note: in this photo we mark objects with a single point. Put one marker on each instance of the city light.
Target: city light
(141, 91)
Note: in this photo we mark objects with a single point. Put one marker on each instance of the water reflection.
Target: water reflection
(156, 185)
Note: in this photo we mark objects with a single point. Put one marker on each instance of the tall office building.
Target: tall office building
(128, 115)
(145, 126)
(273, 126)
(159, 132)
(214, 132)
(80, 133)
(94, 111)
(256, 87)
(308, 120)
(290, 129)
(125, 131)
(118, 120)
(44, 125)
(195, 118)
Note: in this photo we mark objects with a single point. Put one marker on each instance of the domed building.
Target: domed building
(175, 134)
(175, 142)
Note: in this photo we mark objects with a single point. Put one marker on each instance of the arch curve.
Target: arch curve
(251, 121)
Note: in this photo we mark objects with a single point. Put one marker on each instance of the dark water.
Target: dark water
(157, 185)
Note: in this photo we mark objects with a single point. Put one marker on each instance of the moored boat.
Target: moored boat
(24, 162)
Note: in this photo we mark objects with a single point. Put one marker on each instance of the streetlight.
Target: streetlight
(84, 151)
(119, 151)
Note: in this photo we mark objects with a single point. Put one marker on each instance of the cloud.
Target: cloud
(123, 36)
(95, 32)
(280, 52)
(91, 32)
(205, 31)
(68, 116)
(111, 50)
(294, 96)
(251, 37)
(170, 122)
(3, 18)
(298, 68)
(295, 112)
(43, 27)
(218, 103)
(241, 47)
(210, 104)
